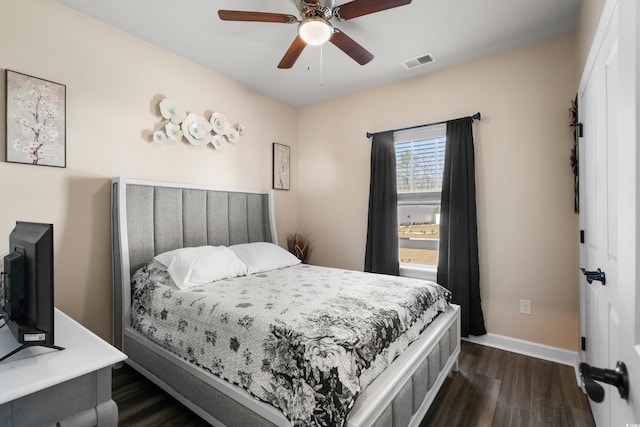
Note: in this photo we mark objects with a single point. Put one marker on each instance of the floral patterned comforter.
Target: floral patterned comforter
(305, 339)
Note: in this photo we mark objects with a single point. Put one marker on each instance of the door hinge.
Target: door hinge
(581, 236)
(583, 343)
(577, 129)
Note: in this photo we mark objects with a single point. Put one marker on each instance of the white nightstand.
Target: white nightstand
(41, 386)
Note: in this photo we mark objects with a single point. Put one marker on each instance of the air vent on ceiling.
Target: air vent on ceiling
(419, 61)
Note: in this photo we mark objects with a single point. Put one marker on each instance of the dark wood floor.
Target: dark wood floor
(142, 403)
(498, 388)
(492, 388)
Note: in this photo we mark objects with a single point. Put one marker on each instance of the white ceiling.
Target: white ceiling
(454, 31)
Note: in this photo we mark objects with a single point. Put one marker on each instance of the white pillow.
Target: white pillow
(196, 266)
(263, 256)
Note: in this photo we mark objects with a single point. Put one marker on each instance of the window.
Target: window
(419, 169)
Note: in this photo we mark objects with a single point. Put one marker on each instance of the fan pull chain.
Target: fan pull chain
(321, 68)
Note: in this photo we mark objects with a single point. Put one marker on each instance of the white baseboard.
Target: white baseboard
(528, 348)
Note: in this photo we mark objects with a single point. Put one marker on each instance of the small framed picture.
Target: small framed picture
(36, 121)
(281, 172)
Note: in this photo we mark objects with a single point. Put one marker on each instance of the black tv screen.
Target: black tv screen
(27, 301)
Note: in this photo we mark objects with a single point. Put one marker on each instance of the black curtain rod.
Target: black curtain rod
(476, 116)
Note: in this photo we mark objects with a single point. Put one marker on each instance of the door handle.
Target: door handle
(595, 275)
(616, 377)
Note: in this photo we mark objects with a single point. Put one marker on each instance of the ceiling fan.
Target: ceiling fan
(314, 27)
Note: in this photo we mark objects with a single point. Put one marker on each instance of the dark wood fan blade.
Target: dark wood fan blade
(293, 53)
(238, 15)
(351, 47)
(358, 8)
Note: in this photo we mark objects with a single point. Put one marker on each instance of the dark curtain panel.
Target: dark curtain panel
(381, 254)
(458, 268)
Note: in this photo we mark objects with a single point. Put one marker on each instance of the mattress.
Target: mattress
(306, 339)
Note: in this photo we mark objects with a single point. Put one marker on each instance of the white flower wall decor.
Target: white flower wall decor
(217, 141)
(219, 123)
(194, 128)
(172, 109)
(233, 135)
(159, 137)
(173, 131)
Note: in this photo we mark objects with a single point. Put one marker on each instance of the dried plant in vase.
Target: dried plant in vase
(299, 244)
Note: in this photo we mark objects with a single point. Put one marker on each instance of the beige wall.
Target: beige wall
(528, 231)
(112, 79)
(527, 227)
(588, 19)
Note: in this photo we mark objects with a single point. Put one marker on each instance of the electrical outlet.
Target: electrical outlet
(525, 306)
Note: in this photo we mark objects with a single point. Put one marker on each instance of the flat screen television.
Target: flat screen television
(27, 297)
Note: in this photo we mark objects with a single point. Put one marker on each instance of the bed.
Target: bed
(150, 218)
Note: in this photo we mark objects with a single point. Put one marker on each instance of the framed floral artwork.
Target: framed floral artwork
(36, 120)
(281, 154)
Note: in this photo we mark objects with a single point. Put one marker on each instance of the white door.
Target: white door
(609, 213)
(597, 111)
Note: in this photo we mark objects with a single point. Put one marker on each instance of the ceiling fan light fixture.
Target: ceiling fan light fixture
(315, 31)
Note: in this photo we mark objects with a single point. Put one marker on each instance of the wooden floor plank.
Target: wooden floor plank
(493, 388)
(530, 392)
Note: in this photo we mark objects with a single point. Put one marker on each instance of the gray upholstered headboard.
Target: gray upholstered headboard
(150, 217)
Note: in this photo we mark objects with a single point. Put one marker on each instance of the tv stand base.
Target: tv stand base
(23, 346)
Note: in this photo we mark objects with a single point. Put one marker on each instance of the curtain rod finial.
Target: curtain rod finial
(476, 116)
